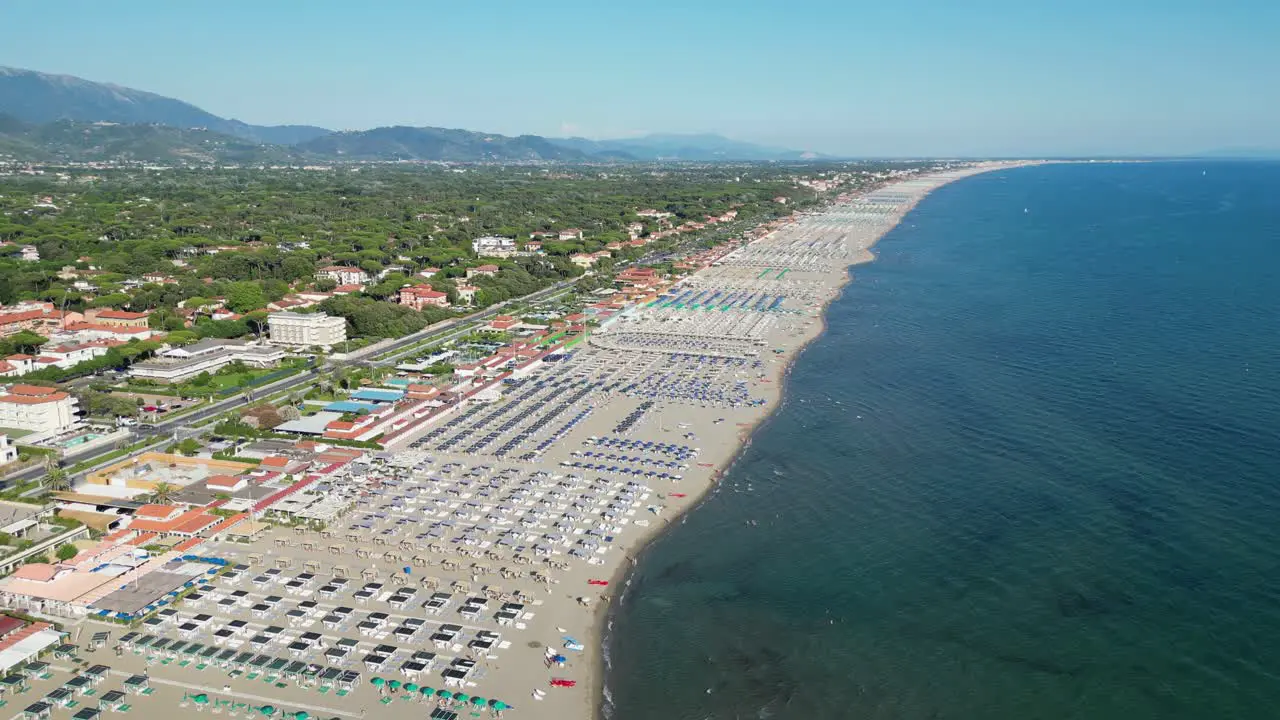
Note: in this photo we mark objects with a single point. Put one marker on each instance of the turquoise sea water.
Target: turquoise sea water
(1031, 471)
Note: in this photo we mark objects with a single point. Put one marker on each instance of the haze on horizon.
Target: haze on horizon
(853, 78)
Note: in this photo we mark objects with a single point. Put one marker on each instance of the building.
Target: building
(570, 234)
(467, 293)
(429, 273)
(482, 270)
(492, 246)
(180, 364)
(38, 409)
(116, 318)
(8, 453)
(306, 329)
(343, 275)
(38, 317)
(420, 296)
(583, 260)
(504, 322)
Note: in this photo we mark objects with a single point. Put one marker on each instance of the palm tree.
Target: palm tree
(55, 478)
(162, 493)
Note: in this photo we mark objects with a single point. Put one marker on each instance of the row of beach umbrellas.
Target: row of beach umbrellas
(265, 710)
(425, 691)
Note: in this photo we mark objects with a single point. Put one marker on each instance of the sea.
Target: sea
(1031, 470)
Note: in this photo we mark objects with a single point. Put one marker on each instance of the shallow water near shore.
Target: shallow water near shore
(1031, 470)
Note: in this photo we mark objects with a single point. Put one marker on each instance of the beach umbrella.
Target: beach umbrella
(393, 684)
(427, 690)
(267, 710)
(478, 701)
(378, 681)
(302, 715)
(444, 694)
(462, 697)
(411, 687)
(498, 705)
(200, 699)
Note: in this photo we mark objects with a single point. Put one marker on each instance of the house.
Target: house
(533, 246)
(116, 318)
(583, 260)
(158, 278)
(166, 520)
(655, 214)
(8, 452)
(781, 200)
(570, 234)
(38, 317)
(485, 270)
(634, 230)
(493, 246)
(94, 331)
(343, 275)
(429, 272)
(467, 293)
(420, 296)
(30, 253)
(503, 322)
(225, 483)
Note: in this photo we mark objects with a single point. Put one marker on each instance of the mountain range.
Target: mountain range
(62, 117)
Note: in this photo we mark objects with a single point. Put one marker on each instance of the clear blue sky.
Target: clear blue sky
(889, 77)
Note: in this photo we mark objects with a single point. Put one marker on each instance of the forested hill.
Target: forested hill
(39, 98)
(118, 123)
(70, 141)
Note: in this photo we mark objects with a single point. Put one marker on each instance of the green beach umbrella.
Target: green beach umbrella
(444, 694)
(378, 681)
(267, 710)
(498, 705)
(427, 690)
(302, 715)
(462, 697)
(393, 684)
(411, 687)
(478, 701)
(200, 699)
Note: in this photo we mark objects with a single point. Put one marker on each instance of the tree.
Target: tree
(25, 341)
(326, 284)
(244, 295)
(66, 551)
(55, 478)
(162, 493)
(189, 447)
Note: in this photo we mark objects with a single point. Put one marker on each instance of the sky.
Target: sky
(881, 78)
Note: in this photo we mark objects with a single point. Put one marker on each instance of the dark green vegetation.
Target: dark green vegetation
(58, 115)
(149, 240)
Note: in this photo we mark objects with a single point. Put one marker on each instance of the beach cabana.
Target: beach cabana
(38, 711)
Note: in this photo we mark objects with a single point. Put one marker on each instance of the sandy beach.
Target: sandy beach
(471, 567)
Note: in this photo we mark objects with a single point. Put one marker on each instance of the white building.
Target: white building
(183, 363)
(492, 246)
(343, 275)
(306, 329)
(8, 453)
(38, 409)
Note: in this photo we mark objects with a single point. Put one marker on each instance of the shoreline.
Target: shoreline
(605, 613)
